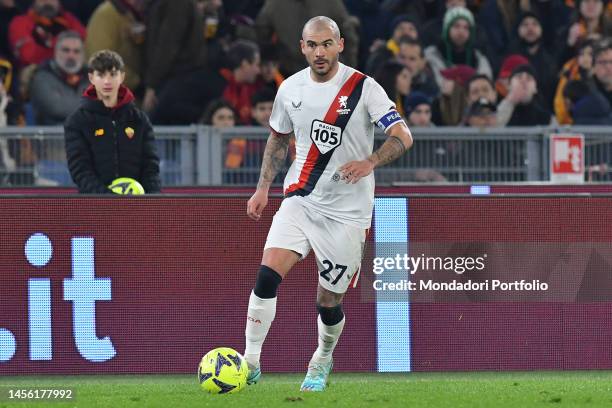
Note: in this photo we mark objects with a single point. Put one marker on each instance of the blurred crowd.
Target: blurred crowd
(444, 62)
(480, 63)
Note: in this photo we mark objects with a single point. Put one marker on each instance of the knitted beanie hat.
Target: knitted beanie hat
(453, 14)
(415, 99)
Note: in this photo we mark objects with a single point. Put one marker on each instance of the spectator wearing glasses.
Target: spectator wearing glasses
(602, 68)
(57, 85)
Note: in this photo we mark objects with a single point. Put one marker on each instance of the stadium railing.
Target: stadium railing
(202, 155)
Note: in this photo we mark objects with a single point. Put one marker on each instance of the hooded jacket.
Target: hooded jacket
(444, 55)
(103, 144)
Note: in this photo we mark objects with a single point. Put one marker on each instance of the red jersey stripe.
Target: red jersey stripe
(330, 117)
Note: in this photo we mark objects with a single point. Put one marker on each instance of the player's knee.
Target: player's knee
(331, 316)
(267, 283)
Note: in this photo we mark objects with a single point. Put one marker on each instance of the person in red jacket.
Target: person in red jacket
(32, 35)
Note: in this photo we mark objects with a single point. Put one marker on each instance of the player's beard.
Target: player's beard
(325, 69)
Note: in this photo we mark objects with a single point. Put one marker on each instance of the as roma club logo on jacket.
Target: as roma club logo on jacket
(129, 132)
(99, 132)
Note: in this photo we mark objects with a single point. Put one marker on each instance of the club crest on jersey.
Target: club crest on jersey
(342, 101)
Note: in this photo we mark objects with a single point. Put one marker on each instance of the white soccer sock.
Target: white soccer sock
(259, 318)
(328, 338)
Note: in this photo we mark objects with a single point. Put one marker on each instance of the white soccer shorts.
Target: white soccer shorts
(338, 247)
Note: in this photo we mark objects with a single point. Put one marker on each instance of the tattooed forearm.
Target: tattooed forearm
(273, 160)
(392, 149)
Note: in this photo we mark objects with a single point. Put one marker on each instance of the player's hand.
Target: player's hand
(256, 204)
(354, 171)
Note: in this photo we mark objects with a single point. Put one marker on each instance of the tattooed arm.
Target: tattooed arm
(273, 161)
(395, 146)
(397, 143)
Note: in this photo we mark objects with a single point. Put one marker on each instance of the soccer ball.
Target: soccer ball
(126, 186)
(223, 371)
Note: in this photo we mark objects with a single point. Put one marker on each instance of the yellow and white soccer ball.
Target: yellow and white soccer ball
(223, 371)
(126, 186)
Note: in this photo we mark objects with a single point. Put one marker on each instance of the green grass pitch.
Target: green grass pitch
(483, 389)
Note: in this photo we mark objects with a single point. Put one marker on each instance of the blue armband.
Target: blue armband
(389, 119)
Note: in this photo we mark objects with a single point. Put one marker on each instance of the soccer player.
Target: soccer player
(329, 190)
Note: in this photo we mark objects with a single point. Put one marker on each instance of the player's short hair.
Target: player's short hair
(241, 50)
(263, 95)
(105, 61)
(320, 22)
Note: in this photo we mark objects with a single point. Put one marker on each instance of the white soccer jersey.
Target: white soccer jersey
(333, 124)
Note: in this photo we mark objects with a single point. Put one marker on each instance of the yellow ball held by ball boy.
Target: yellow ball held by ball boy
(126, 186)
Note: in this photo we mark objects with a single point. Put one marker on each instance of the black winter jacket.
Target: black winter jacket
(103, 144)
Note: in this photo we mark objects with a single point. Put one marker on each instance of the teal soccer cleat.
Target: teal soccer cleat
(254, 375)
(317, 376)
